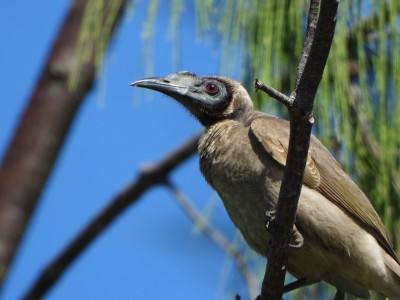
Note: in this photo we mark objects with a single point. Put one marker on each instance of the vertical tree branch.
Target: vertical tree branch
(312, 21)
(312, 63)
(42, 129)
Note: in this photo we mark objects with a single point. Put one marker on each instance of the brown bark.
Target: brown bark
(320, 31)
(42, 130)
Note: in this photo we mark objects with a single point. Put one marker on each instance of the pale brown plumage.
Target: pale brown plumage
(242, 155)
(324, 174)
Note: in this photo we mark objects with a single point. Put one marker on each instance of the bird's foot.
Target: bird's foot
(270, 224)
(297, 237)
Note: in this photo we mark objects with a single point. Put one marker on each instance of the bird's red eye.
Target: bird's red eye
(212, 88)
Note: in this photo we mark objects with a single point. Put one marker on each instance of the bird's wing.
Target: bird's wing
(323, 173)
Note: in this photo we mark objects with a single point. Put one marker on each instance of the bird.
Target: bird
(338, 237)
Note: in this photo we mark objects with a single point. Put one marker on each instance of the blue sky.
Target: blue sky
(151, 250)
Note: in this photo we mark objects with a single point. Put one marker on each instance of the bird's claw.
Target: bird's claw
(297, 238)
(270, 224)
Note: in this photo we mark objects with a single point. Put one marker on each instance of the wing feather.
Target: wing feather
(324, 174)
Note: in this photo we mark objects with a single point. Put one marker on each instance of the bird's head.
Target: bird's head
(210, 98)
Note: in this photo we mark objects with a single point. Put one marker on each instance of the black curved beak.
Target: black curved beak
(161, 84)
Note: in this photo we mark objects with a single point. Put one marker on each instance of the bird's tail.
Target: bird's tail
(393, 272)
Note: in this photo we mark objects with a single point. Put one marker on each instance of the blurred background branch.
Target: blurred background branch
(150, 176)
(42, 129)
(218, 238)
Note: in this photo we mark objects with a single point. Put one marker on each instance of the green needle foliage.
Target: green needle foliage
(94, 36)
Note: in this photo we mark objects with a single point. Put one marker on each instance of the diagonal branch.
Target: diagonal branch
(218, 238)
(44, 125)
(258, 85)
(315, 53)
(150, 176)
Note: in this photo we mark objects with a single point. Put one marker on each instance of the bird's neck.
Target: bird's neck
(243, 116)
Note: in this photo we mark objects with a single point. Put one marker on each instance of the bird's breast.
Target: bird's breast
(247, 185)
(226, 154)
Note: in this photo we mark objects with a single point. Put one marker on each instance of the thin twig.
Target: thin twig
(149, 177)
(273, 93)
(217, 237)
